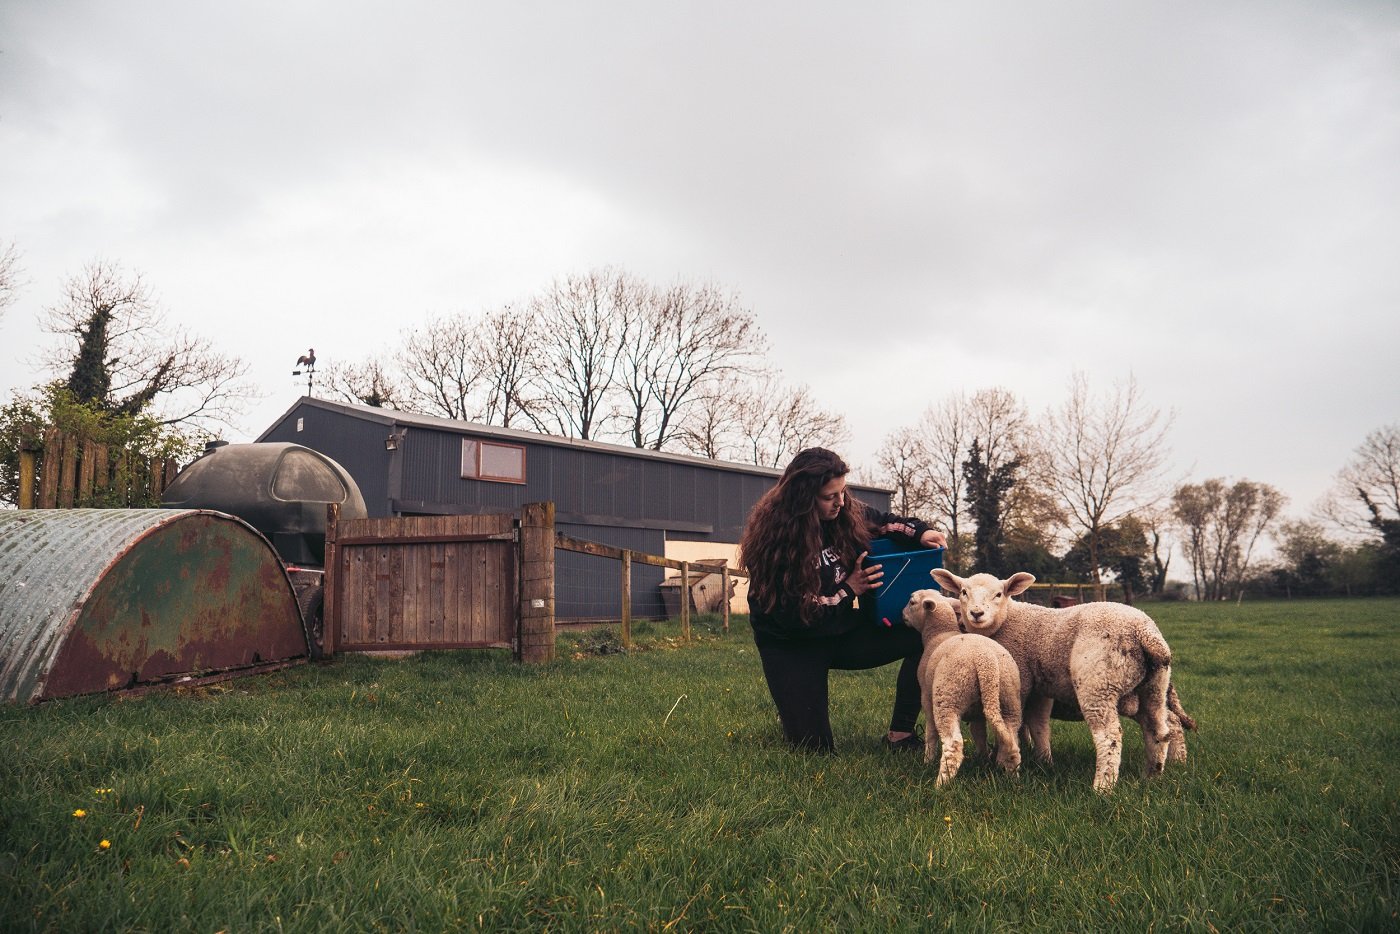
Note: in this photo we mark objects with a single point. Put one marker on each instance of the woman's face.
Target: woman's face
(831, 498)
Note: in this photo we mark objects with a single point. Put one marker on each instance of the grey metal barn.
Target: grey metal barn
(673, 505)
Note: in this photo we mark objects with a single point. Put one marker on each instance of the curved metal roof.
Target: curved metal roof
(52, 561)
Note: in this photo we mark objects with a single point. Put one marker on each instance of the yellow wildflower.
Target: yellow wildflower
(80, 813)
(105, 844)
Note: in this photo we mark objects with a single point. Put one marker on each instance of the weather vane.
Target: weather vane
(307, 362)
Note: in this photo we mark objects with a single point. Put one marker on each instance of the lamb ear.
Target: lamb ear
(1017, 583)
(950, 582)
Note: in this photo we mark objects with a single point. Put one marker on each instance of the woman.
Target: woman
(804, 549)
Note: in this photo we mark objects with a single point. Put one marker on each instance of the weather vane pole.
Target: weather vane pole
(307, 362)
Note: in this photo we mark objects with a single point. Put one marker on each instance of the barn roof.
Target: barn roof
(392, 417)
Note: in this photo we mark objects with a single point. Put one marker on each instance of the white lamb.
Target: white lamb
(1100, 657)
(1178, 721)
(961, 673)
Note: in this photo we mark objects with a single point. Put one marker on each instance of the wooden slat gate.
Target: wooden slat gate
(422, 582)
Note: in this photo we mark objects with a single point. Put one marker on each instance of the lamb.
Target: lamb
(1100, 657)
(960, 673)
(1178, 720)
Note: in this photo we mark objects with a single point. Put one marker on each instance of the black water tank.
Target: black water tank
(278, 488)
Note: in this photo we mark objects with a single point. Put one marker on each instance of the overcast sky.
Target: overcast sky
(915, 199)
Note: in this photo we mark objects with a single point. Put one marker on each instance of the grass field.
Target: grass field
(651, 790)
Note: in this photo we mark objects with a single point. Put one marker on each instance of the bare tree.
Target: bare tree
(10, 275)
(1194, 506)
(584, 321)
(683, 339)
(1367, 488)
(1102, 458)
(709, 427)
(775, 422)
(1221, 525)
(1156, 522)
(122, 357)
(902, 460)
(591, 351)
(508, 352)
(945, 435)
(939, 446)
(369, 382)
(997, 419)
(440, 367)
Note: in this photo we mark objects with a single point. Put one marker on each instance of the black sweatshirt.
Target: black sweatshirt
(838, 612)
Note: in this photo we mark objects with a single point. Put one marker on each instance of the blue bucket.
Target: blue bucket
(905, 572)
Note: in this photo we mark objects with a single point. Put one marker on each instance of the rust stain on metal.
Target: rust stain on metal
(174, 593)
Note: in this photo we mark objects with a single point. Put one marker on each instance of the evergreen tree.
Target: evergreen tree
(1388, 549)
(987, 487)
(90, 380)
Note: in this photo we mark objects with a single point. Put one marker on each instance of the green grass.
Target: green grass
(652, 790)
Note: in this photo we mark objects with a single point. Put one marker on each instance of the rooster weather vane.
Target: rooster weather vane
(307, 362)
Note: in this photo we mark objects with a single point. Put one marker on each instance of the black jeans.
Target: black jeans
(796, 671)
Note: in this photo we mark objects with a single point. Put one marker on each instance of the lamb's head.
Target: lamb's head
(930, 613)
(982, 598)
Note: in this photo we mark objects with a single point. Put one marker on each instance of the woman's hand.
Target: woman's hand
(930, 538)
(933, 539)
(864, 578)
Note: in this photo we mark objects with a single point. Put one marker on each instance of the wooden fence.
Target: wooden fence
(438, 582)
(628, 557)
(68, 471)
(444, 582)
(1067, 594)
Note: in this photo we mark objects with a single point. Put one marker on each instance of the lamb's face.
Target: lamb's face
(982, 603)
(982, 598)
(929, 612)
(919, 610)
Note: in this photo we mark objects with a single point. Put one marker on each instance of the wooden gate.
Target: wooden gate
(422, 582)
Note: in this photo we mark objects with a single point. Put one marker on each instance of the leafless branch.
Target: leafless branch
(1102, 457)
(10, 275)
(369, 382)
(685, 338)
(117, 346)
(439, 365)
(584, 320)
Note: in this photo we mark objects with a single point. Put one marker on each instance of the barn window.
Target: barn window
(490, 460)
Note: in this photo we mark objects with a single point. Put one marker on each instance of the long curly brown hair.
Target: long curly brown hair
(783, 539)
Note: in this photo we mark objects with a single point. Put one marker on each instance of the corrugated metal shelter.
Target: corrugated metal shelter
(106, 599)
(406, 465)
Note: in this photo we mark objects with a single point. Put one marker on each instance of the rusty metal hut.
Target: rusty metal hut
(96, 600)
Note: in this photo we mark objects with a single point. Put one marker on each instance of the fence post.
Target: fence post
(685, 600)
(330, 582)
(87, 473)
(102, 471)
(626, 599)
(48, 477)
(724, 594)
(28, 468)
(536, 641)
(68, 478)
